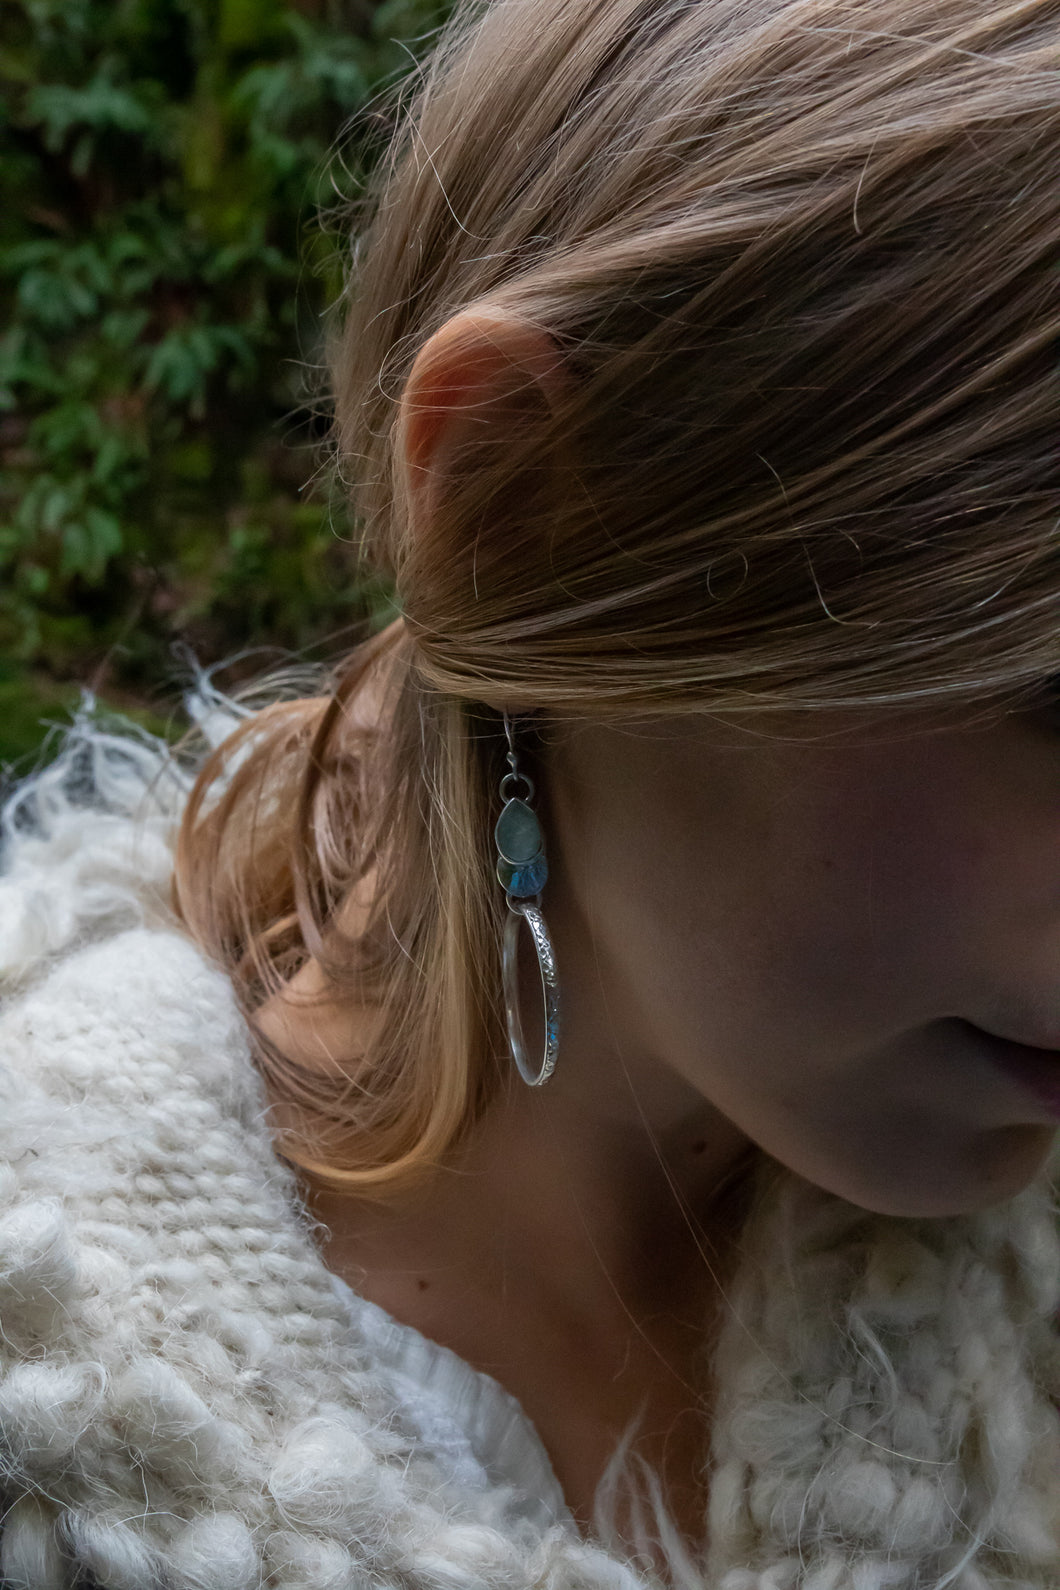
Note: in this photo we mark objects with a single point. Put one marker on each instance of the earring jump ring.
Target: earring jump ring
(526, 911)
(517, 777)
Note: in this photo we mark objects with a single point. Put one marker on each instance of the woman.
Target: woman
(650, 944)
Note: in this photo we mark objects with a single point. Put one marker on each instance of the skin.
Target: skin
(772, 937)
(798, 927)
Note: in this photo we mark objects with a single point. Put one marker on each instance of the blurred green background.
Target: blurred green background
(164, 270)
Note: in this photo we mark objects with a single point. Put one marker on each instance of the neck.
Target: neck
(576, 1248)
(561, 1204)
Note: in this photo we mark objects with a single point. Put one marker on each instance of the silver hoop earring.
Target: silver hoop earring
(523, 872)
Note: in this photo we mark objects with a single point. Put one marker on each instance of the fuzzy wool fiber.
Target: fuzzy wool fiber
(185, 1406)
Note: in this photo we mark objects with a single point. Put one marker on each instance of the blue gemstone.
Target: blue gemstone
(518, 833)
(526, 881)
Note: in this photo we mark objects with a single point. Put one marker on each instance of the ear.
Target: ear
(479, 379)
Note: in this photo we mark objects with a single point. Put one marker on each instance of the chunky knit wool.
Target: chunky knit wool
(183, 1403)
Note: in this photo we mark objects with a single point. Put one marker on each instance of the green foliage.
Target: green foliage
(162, 279)
(34, 709)
(27, 703)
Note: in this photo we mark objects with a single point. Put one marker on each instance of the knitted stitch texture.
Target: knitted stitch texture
(183, 1402)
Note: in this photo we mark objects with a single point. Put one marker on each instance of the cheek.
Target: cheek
(950, 876)
(883, 890)
(839, 912)
(894, 892)
(845, 916)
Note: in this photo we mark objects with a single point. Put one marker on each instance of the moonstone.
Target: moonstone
(518, 833)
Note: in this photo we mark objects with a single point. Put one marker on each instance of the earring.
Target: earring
(523, 871)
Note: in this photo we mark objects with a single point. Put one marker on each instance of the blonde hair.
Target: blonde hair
(799, 259)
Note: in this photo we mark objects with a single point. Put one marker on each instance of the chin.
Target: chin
(959, 1178)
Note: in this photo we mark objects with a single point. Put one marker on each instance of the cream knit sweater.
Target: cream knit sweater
(183, 1402)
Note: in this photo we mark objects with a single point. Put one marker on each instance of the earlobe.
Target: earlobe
(477, 380)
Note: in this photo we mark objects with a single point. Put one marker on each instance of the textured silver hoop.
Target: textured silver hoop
(524, 911)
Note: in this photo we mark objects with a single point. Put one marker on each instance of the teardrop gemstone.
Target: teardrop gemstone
(518, 833)
(525, 881)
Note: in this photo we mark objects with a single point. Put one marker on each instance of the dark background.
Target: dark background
(174, 220)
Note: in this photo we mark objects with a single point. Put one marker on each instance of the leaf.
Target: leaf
(56, 504)
(68, 428)
(114, 459)
(173, 370)
(21, 257)
(76, 554)
(53, 302)
(90, 265)
(104, 537)
(123, 328)
(101, 104)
